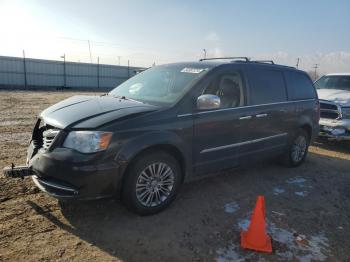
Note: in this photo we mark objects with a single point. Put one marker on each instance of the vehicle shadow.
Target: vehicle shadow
(192, 228)
(338, 146)
(180, 233)
(196, 224)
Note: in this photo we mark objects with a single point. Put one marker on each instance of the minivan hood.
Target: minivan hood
(341, 97)
(92, 111)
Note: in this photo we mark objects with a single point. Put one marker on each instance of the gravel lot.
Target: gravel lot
(311, 203)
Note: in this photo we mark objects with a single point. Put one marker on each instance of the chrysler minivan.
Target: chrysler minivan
(170, 124)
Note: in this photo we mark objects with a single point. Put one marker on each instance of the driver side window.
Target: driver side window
(229, 88)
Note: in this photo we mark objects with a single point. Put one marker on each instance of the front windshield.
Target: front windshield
(161, 85)
(333, 82)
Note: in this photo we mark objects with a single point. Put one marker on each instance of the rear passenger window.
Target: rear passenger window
(299, 86)
(266, 86)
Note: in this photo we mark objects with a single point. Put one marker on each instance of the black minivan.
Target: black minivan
(169, 124)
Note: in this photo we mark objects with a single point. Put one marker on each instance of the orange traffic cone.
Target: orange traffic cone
(256, 237)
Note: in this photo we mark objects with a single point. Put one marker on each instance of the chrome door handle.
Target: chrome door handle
(261, 115)
(245, 117)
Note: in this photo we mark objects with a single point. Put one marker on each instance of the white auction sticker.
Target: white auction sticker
(193, 70)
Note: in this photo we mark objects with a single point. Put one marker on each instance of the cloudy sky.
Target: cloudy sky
(165, 31)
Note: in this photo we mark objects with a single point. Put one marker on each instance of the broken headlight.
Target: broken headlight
(345, 112)
(88, 141)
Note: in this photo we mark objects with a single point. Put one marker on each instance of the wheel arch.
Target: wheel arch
(305, 122)
(308, 129)
(168, 143)
(167, 148)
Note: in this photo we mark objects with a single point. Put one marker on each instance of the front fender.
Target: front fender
(160, 138)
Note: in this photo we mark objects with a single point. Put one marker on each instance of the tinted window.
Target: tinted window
(299, 86)
(229, 87)
(266, 86)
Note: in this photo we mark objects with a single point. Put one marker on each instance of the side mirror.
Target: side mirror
(208, 102)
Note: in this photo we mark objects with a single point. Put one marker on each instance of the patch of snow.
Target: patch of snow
(231, 253)
(243, 224)
(305, 186)
(278, 190)
(231, 208)
(296, 180)
(314, 250)
(301, 193)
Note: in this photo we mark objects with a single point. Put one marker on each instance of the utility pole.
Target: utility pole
(297, 65)
(205, 53)
(315, 67)
(25, 69)
(64, 70)
(98, 72)
(90, 51)
(118, 60)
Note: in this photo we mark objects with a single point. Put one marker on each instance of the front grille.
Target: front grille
(329, 110)
(43, 136)
(329, 115)
(328, 105)
(48, 137)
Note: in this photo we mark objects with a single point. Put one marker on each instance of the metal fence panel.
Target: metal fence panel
(15, 71)
(11, 79)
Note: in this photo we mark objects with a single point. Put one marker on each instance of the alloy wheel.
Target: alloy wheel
(154, 184)
(299, 149)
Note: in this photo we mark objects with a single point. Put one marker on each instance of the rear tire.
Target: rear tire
(297, 149)
(151, 183)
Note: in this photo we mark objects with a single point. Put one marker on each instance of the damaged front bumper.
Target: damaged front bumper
(335, 129)
(55, 189)
(66, 174)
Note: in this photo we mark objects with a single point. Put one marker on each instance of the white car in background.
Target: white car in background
(334, 94)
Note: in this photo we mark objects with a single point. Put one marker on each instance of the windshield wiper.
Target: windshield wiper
(127, 98)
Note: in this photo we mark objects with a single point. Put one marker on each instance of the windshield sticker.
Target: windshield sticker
(193, 70)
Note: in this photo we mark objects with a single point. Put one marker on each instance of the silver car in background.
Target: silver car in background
(334, 94)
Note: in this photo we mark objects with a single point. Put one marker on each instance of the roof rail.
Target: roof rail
(264, 61)
(231, 58)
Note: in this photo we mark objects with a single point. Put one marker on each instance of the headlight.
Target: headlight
(88, 141)
(345, 112)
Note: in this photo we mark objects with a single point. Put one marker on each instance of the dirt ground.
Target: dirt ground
(307, 208)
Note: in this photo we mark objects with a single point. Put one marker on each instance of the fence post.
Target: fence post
(25, 70)
(65, 72)
(128, 68)
(98, 72)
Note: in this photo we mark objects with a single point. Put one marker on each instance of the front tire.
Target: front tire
(151, 183)
(297, 149)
